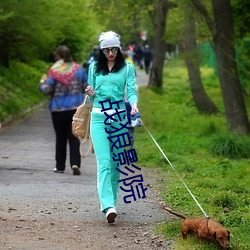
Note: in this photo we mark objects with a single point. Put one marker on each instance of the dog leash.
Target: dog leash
(174, 170)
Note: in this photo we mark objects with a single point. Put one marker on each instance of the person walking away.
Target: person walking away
(108, 78)
(139, 56)
(147, 54)
(65, 84)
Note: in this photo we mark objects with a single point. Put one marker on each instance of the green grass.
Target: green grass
(19, 87)
(214, 164)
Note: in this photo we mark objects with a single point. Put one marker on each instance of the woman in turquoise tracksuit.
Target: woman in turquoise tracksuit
(108, 77)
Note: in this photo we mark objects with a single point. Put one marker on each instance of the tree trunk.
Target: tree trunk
(159, 47)
(201, 99)
(235, 109)
(223, 38)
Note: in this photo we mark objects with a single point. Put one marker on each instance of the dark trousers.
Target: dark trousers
(147, 65)
(62, 122)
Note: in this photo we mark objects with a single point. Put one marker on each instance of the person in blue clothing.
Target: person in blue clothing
(65, 83)
(108, 77)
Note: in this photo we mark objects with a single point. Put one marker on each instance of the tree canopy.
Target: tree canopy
(28, 33)
(32, 30)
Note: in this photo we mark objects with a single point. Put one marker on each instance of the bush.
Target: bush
(231, 146)
(224, 200)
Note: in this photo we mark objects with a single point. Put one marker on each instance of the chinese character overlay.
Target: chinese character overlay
(133, 185)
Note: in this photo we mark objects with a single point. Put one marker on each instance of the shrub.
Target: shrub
(231, 146)
(223, 200)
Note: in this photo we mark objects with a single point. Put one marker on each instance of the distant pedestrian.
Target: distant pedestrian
(147, 54)
(93, 56)
(138, 56)
(65, 84)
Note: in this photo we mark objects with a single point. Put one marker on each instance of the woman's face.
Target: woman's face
(110, 53)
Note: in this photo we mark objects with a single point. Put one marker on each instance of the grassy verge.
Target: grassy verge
(212, 163)
(19, 88)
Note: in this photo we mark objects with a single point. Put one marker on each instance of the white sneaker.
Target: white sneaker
(111, 214)
(58, 171)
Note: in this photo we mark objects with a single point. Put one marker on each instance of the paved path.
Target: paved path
(29, 189)
(141, 78)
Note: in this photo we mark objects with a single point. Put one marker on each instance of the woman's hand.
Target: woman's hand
(90, 91)
(134, 109)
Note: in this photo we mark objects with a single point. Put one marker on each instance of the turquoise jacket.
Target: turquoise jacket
(113, 86)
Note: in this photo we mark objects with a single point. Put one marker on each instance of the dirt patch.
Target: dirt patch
(50, 234)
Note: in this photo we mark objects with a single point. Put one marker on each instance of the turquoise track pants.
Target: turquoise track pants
(107, 174)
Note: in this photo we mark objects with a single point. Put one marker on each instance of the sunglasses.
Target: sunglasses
(106, 51)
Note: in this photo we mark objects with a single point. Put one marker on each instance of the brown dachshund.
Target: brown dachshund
(204, 229)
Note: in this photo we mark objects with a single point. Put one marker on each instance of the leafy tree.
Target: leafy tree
(28, 33)
(78, 29)
(23, 33)
(241, 18)
(156, 72)
(126, 17)
(221, 28)
(201, 99)
(175, 24)
(180, 28)
(242, 33)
